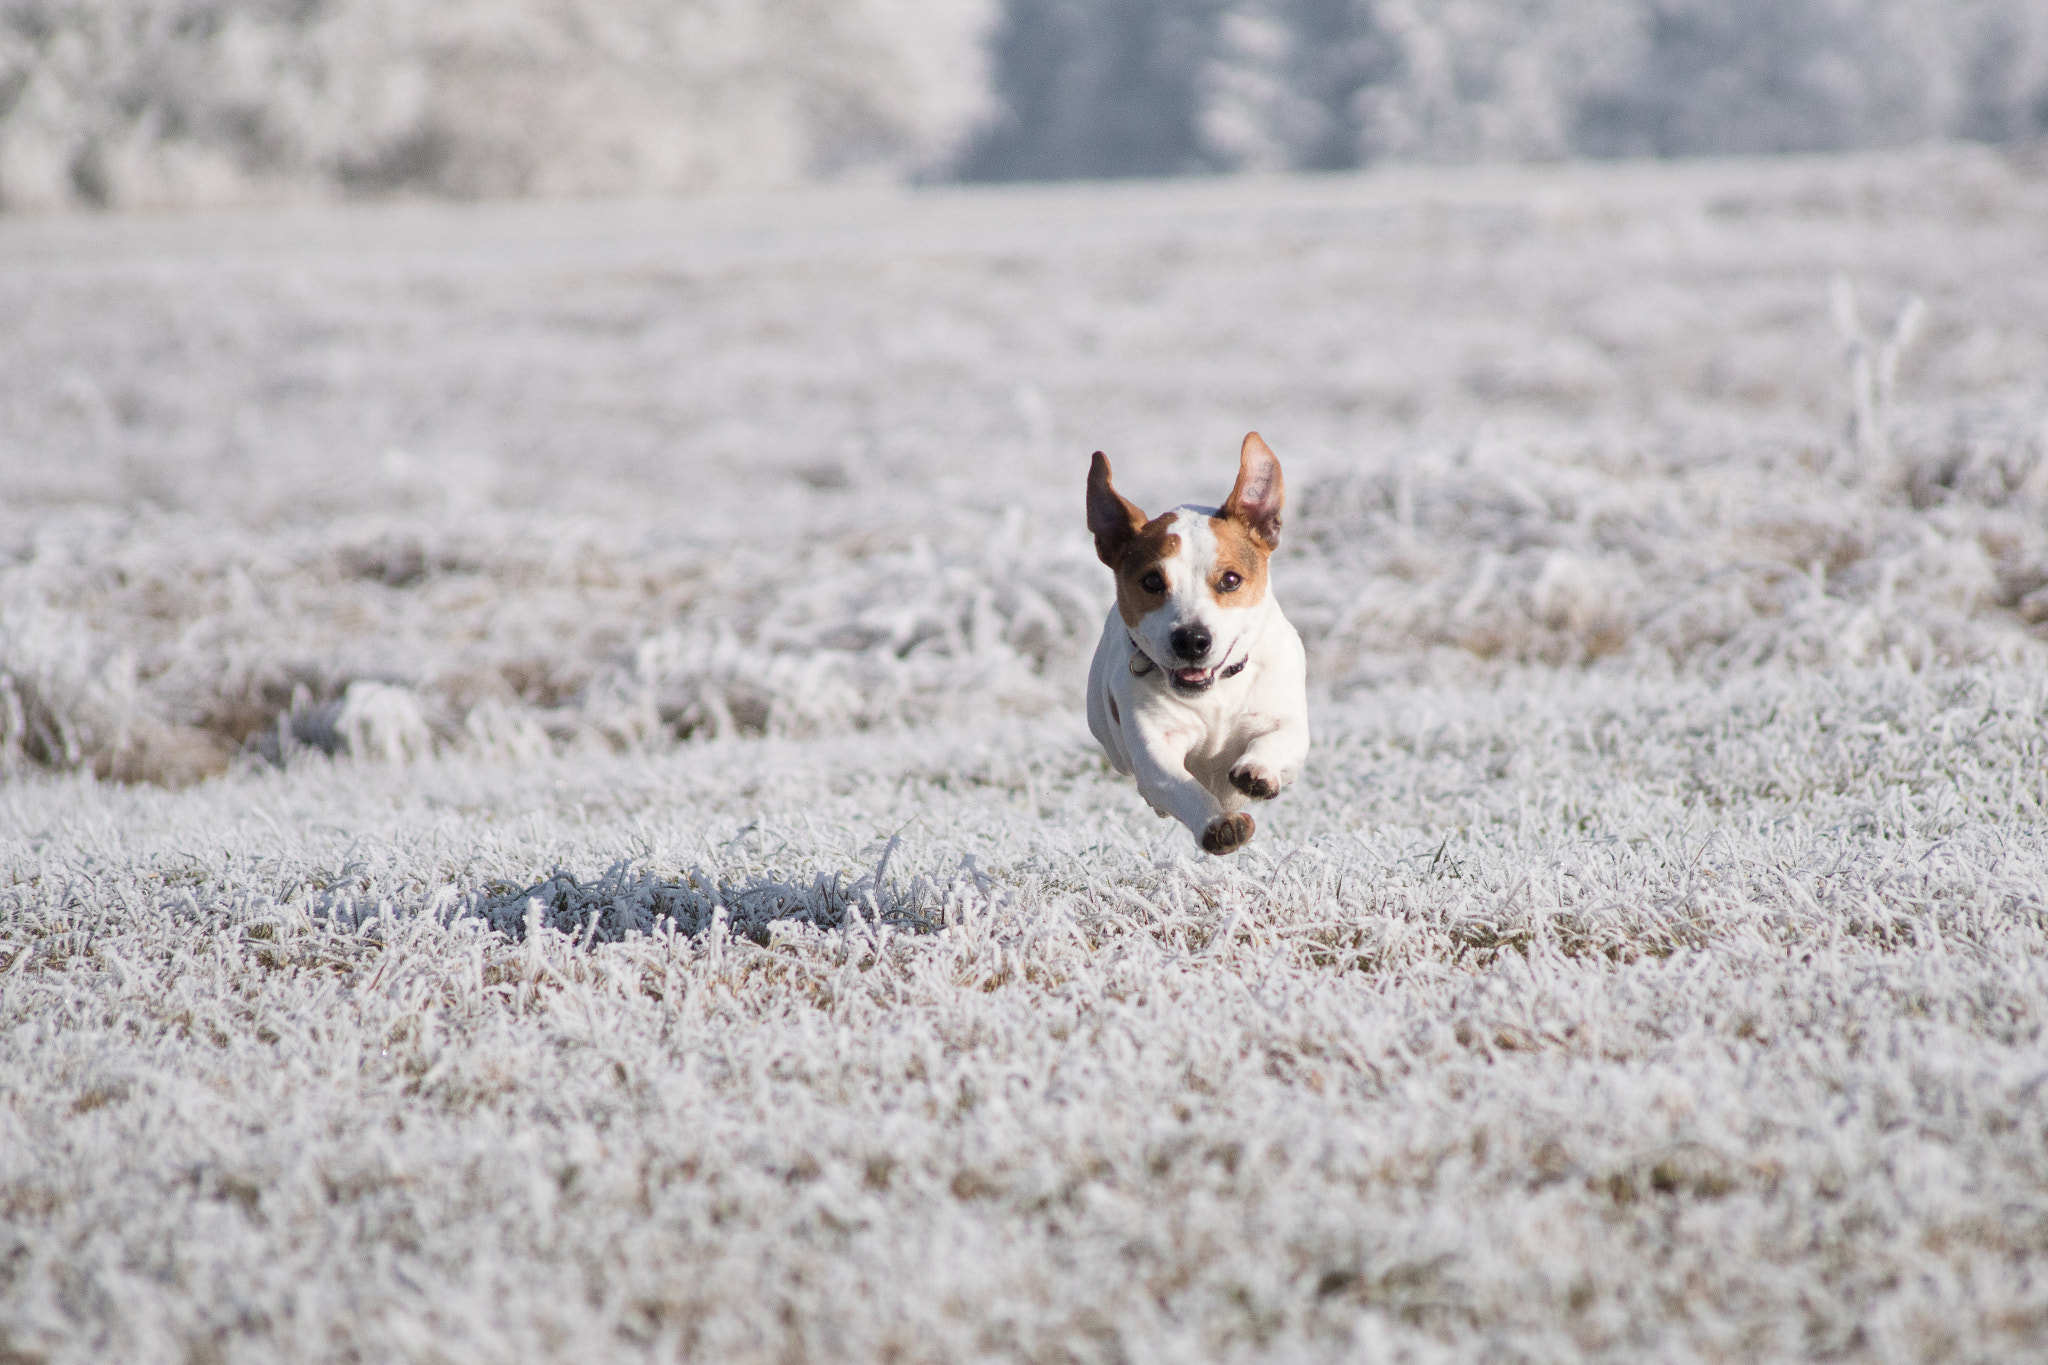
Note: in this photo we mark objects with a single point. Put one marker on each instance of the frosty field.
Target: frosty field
(546, 813)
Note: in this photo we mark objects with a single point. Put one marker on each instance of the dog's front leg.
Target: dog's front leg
(1161, 767)
(1272, 760)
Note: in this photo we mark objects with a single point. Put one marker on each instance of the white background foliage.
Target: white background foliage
(150, 103)
(137, 103)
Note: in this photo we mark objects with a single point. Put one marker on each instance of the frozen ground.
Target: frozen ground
(1648, 966)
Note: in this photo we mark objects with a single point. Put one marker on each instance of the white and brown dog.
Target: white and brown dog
(1199, 685)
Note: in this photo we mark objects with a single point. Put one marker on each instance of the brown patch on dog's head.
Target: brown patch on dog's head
(1142, 580)
(1238, 577)
(1129, 544)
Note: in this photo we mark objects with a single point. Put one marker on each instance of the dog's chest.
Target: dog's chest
(1214, 726)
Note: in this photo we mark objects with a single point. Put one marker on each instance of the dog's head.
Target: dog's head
(1187, 580)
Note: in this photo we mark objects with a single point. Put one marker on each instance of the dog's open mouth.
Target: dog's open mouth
(1194, 679)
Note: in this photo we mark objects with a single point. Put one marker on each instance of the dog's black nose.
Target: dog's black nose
(1191, 642)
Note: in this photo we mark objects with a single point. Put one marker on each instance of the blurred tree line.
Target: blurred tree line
(1132, 87)
(137, 102)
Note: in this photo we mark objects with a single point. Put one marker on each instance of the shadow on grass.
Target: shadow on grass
(625, 901)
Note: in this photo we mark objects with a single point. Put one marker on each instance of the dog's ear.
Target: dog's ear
(1111, 517)
(1259, 492)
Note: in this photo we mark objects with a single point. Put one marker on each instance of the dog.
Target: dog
(1199, 687)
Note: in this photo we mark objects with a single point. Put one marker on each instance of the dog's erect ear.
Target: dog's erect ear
(1256, 499)
(1111, 517)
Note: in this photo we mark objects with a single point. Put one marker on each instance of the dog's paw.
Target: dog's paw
(1228, 833)
(1255, 781)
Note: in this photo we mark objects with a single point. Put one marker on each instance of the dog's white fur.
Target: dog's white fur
(1201, 756)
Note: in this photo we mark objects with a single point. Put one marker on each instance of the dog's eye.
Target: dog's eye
(1230, 582)
(1153, 582)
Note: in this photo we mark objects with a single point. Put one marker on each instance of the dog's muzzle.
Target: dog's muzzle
(1188, 681)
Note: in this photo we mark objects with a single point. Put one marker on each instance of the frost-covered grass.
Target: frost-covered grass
(1621, 1019)
(623, 474)
(641, 886)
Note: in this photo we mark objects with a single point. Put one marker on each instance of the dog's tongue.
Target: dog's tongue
(1190, 675)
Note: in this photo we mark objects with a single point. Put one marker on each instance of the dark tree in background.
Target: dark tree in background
(1091, 88)
(1097, 88)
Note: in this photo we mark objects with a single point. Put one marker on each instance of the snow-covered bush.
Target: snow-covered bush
(142, 102)
(1717, 76)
